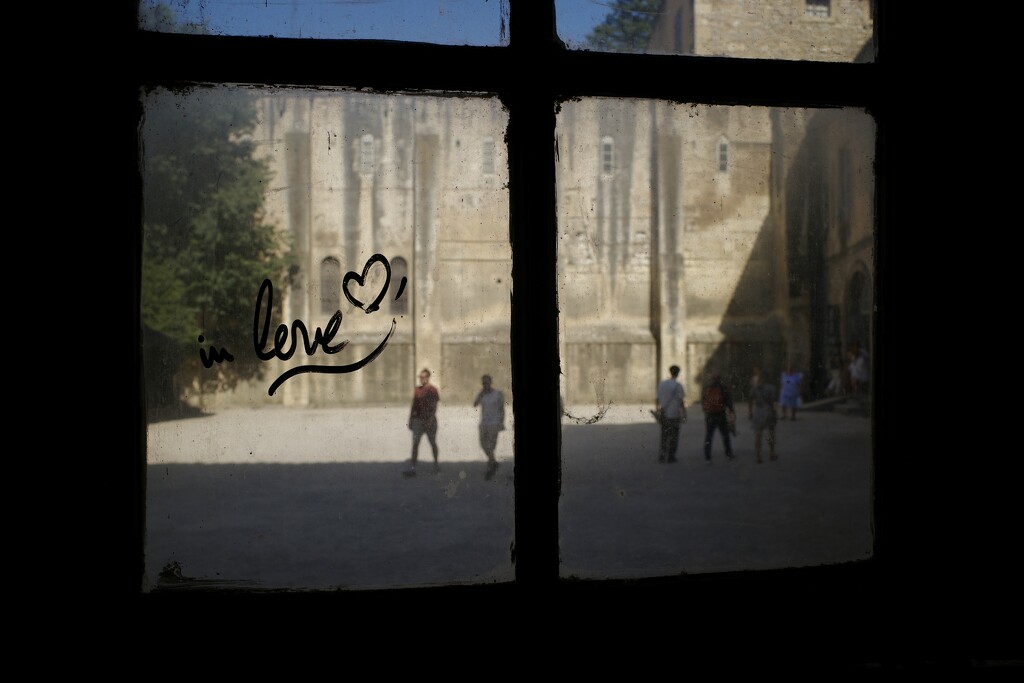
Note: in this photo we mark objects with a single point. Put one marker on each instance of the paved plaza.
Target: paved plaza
(315, 498)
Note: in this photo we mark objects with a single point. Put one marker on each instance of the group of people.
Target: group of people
(423, 420)
(670, 411)
(720, 412)
(853, 377)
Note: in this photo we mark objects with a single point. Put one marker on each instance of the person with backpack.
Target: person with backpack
(716, 401)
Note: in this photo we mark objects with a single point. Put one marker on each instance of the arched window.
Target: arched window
(723, 155)
(607, 155)
(399, 270)
(330, 285)
(366, 155)
(858, 309)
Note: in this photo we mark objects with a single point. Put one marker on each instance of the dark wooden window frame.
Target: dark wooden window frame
(532, 76)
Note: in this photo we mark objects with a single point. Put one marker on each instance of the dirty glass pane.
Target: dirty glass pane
(720, 240)
(307, 254)
(447, 22)
(811, 30)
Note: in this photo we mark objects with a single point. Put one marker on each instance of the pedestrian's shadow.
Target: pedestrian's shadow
(326, 525)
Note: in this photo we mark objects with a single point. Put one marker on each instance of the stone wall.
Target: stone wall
(775, 29)
(420, 180)
(686, 236)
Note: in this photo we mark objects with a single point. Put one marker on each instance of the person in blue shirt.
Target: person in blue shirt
(789, 391)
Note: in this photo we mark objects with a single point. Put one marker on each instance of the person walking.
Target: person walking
(716, 401)
(789, 396)
(670, 407)
(859, 375)
(492, 421)
(423, 420)
(761, 411)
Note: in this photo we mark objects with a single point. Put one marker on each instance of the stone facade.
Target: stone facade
(824, 213)
(816, 30)
(704, 236)
(661, 207)
(420, 180)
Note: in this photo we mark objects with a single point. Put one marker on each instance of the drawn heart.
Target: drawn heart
(361, 279)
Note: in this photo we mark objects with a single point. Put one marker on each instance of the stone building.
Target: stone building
(705, 236)
(420, 180)
(824, 213)
(817, 30)
(717, 237)
(660, 209)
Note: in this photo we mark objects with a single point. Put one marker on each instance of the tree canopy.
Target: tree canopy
(206, 243)
(627, 27)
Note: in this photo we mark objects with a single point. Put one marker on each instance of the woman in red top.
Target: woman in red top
(423, 419)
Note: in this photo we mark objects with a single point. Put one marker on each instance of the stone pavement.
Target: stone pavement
(315, 498)
(623, 514)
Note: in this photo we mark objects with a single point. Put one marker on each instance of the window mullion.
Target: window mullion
(535, 363)
(531, 95)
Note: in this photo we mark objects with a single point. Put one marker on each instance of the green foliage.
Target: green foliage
(207, 246)
(160, 16)
(627, 28)
(155, 17)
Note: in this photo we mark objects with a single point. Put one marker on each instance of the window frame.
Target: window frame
(532, 97)
(817, 13)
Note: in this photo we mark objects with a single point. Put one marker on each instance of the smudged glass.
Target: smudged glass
(306, 254)
(718, 239)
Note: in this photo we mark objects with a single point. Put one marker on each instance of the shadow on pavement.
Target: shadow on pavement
(327, 526)
(624, 514)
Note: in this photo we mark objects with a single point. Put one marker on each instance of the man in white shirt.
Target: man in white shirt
(492, 421)
(671, 413)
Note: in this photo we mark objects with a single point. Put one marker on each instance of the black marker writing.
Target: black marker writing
(320, 338)
(361, 279)
(333, 369)
(283, 349)
(215, 355)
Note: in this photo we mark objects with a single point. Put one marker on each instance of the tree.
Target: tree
(161, 17)
(627, 28)
(206, 243)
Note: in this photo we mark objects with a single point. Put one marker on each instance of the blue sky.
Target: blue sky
(456, 22)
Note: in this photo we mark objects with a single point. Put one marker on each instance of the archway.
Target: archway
(399, 270)
(858, 309)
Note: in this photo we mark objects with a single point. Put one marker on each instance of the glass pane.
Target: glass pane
(728, 242)
(307, 253)
(812, 30)
(448, 22)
